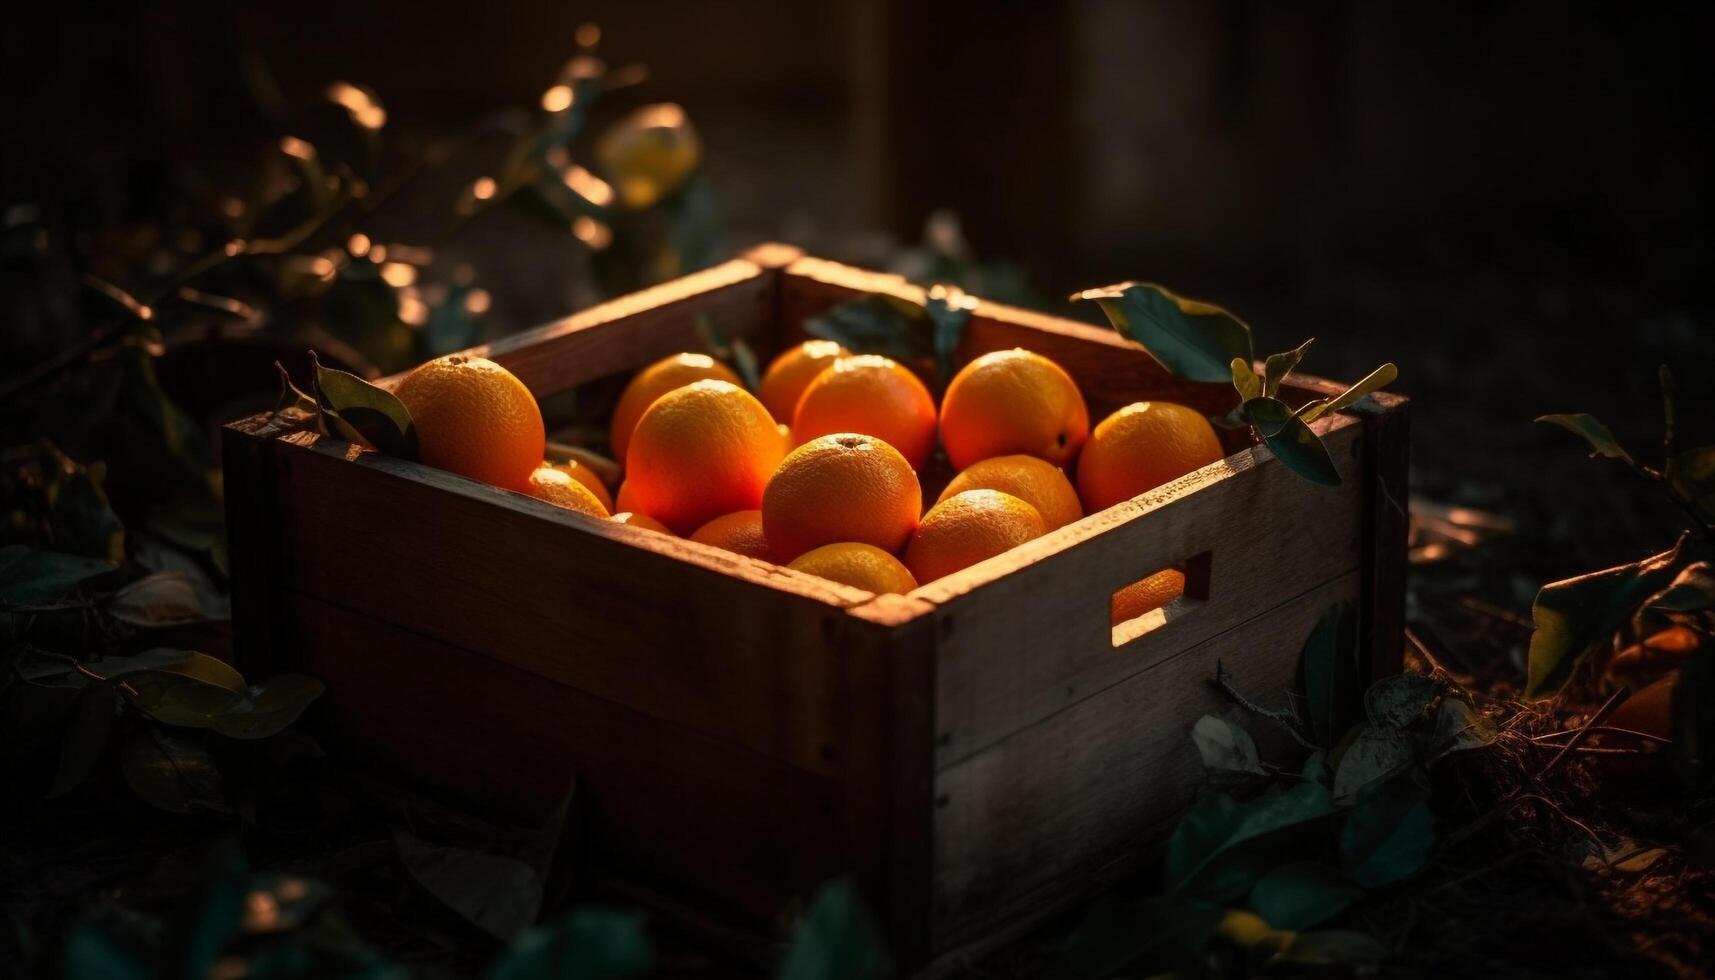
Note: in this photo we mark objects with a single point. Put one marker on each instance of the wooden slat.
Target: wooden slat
(626, 333)
(888, 757)
(741, 832)
(1084, 786)
(1025, 634)
(246, 450)
(689, 634)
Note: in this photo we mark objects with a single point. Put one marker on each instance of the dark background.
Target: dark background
(1509, 199)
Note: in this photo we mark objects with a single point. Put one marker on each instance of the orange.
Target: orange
(791, 372)
(967, 528)
(873, 396)
(701, 451)
(1140, 447)
(739, 532)
(1150, 593)
(1013, 401)
(586, 476)
(654, 381)
(559, 489)
(640, 520)
(841, 488)
(1037, 482)
(861, 566)
(474, 418)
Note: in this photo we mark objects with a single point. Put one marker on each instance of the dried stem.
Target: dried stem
(1284, 719)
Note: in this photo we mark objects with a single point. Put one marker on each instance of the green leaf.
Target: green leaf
(189, 694)
(1245, 380)
(1192, 339)
(1692, 590)
(159, 426)
(837, 940)
(1334, 947)
(158, 658)
(1291, 440)
(1302, 894)
(1155, 934)
(1693, 721)
(735, 350)
(499, 895)
(590, 944)
(165, 599)
(1458, 727)
(1330, 675)
(874, 324)
(1223, 847)
(1388, 835)
(1599, 436)
(949, 310)
(83, 520)
(1398, 701)
(85, 738)
(360, 412)
(29, 577)
(270, 710)
(1378, 753)
(171, 772)
(214, 919)
(1374, 381)
(1691, 474)
(1278, 366)
(1226, 749)
(1575, 614)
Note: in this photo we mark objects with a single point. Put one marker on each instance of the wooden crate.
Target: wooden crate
(977, 754)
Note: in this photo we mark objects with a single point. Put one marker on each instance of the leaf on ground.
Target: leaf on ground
(172, 772)
(269, 710)
(1278, 366)
(1291, 440)
(499, 895)
(1334, 947)
(85, 738)
(1222, 847)
(1573, 615)
(837, 940)
(1379, 752)
(1192, 339)
(1398, 701)
(1388, 835)
(1226, 749)
(189, 693)
(1692, 590)
(159, 658)
(1302, 894)
(29, 577)
(590, 944)
(165, 599)
(360, 412)
(1586, 427)
(1458, 727)
(1152, 934)
(1330, 676)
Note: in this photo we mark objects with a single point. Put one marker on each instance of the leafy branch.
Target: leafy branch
(1199, 341)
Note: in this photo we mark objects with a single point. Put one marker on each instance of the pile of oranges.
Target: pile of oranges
(821, 468)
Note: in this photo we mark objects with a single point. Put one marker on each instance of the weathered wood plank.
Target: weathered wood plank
(626, 333)
(1088, 782)
(738, 830)
(723, 644)
(1387, 520)
(1027, 633)
(252, 544)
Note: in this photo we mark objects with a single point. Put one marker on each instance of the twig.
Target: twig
(1579, 736)
(1605, 730)
(1282, 718)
